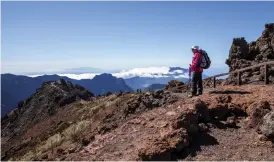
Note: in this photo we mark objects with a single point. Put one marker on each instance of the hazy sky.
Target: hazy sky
(50, 36)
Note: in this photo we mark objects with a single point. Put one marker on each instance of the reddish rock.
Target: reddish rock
(164, 148)
(257, 111)
(267, 127)
(202, 110)
(224, 99)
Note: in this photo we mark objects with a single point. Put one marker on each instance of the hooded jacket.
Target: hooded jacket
(196, 60)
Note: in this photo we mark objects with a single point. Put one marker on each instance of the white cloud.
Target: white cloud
(80, 76)
(153, 72)
(33, 76)
(75, 76)
(143, 72)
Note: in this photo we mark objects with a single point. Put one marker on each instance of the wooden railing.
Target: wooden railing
(265, 64)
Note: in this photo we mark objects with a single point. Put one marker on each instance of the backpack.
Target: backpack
(205, 63)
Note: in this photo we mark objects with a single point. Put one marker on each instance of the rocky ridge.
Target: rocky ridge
(44, 103)
(160, 125)
(243, 54)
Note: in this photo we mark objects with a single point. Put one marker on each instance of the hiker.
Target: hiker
(197, 71)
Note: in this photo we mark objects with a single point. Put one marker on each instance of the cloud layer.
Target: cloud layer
(152, 72)
(155, 72)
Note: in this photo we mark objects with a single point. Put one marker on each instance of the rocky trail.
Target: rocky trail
(153, 135)
(225, 123)
(229, 144)
(199, 128)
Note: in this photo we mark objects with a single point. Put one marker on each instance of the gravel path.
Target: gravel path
(230, 144)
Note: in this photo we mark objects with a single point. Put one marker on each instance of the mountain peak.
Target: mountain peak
(61, 84)
(105, 77)
(45, 102)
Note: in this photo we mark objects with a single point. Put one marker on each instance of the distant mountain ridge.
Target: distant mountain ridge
(45, 102)
(143, 82)
(19, 87)
(151, 72)
(158, 76)
(139, 78)
(16, 88)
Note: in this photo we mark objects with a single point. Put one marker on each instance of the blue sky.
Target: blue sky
(51, 36)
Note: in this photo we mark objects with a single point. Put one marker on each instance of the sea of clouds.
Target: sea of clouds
(152, 72)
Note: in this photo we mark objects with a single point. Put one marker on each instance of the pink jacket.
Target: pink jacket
(195, 66)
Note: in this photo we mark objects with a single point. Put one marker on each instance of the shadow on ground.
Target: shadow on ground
(220, 125)
(228, 92)
(198, 140)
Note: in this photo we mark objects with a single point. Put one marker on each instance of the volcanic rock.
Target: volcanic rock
(243, 54)
(257, 111)
(267, 127)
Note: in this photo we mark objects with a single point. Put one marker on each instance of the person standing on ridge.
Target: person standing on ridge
(196, 80)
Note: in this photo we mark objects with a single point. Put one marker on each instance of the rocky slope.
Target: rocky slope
(58, 105)
(243, 54)
(44, 103)
(160, 125)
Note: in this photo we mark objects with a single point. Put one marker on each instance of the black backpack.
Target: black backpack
(205, 63)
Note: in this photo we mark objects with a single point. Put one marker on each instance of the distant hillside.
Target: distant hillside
(139, 78)
(154, 87)
(143, 77)
(143, 82)
(16, 88)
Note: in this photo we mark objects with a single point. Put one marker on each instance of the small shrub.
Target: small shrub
(29, 155)
(53, 142)
(115, 102)
(76, 130)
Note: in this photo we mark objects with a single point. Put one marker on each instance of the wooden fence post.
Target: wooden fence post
(240, 71)
(239, 78)
(214, 82)
(266, 81)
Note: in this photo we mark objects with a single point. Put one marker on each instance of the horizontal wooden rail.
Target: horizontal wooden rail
(242, 70)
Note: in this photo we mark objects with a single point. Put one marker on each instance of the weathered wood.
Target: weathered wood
(239, 78)
(266, 79)
(243, 69)
(258, 65)
(223, 74)
(239, 81)
(214, 82)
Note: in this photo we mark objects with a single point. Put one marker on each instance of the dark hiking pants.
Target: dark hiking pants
(197, 82)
